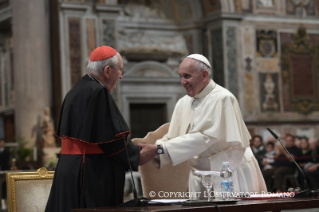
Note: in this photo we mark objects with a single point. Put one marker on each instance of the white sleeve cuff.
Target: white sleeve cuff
(165, 149)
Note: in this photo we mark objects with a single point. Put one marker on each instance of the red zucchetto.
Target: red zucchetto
(102, 53)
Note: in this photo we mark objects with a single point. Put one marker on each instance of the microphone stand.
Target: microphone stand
(307, 192)
(136, 201)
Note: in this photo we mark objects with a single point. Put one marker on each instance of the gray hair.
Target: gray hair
(97, 67)
(200, 66)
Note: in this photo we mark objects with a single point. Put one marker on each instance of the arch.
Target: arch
(150, 69)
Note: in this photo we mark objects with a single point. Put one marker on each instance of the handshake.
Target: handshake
(147, 152)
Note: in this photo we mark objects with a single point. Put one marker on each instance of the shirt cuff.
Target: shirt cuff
(165, 149)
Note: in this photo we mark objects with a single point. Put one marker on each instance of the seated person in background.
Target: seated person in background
(306, 154)
(283, 164)
(258, 149)
(269, 156)
(312, 168)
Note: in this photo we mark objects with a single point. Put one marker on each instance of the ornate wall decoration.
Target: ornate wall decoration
(211, 6)
(232, 60)
(266, 42)
(218, 59)
(301, 8)
(247, 6)
(269, 100)
(237, 4)
(108, 30)
(300, 71)
(143, 45)
(90, 36)
(248, 64)
(185, 11)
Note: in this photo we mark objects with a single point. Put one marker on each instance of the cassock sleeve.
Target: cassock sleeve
(121, 157)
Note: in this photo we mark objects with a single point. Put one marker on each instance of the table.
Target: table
(275, 205)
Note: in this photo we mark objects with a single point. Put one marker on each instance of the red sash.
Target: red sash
(70, 146)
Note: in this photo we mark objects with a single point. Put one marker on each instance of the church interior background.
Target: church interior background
(264, 51)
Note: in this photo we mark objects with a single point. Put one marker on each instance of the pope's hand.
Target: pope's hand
(148, 151)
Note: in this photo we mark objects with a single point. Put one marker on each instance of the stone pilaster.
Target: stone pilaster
(32, 74)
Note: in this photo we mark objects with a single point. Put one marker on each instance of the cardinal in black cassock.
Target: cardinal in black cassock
(91, 169)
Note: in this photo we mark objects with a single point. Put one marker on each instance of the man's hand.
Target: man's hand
(148, 151)
(312, 168)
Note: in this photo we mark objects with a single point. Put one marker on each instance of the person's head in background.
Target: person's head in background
(289, 141)
(313, 144)
(304, 145)
(2, 143)
(270, 146)
(257, 141)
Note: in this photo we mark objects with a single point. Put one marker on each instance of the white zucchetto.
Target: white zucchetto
(201, 58)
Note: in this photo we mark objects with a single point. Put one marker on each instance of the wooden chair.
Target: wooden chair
(167, 179)
(29, 191)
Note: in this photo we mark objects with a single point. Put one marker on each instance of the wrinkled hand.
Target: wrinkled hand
(148, 151)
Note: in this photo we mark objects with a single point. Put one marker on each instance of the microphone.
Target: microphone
(136, 201)
(307, 192)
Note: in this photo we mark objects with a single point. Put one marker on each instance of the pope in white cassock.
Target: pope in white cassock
(206, 128)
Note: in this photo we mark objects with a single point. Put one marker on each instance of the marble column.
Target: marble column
(32, 74)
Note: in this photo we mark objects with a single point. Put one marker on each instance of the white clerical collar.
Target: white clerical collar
(211, 85)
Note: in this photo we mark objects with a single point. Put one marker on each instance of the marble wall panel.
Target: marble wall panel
(268, 64)
(247, 6)
(108, 30)
(189, 43)
(231, 51)
(247, 67)
(249, 93)
(90, 36)
(217, 54)
(75, 49)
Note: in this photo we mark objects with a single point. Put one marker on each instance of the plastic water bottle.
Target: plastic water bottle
(227, 185)
(231, 182)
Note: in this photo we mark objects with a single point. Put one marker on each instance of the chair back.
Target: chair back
(167, 179)
(29, 191)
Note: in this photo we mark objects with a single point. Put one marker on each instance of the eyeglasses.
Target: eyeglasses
(120, 69)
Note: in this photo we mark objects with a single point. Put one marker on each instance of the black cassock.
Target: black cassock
(89, 115)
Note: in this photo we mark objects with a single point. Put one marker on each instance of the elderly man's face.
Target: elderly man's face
(192, 80)
(116, 74)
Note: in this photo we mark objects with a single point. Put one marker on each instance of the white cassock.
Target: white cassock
(209, 130)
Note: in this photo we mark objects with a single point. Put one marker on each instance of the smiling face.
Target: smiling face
(192, 80)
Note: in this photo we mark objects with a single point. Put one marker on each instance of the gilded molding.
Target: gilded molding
(12, 177)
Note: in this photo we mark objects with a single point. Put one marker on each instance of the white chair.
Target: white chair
(29, 191)
(168, 179)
